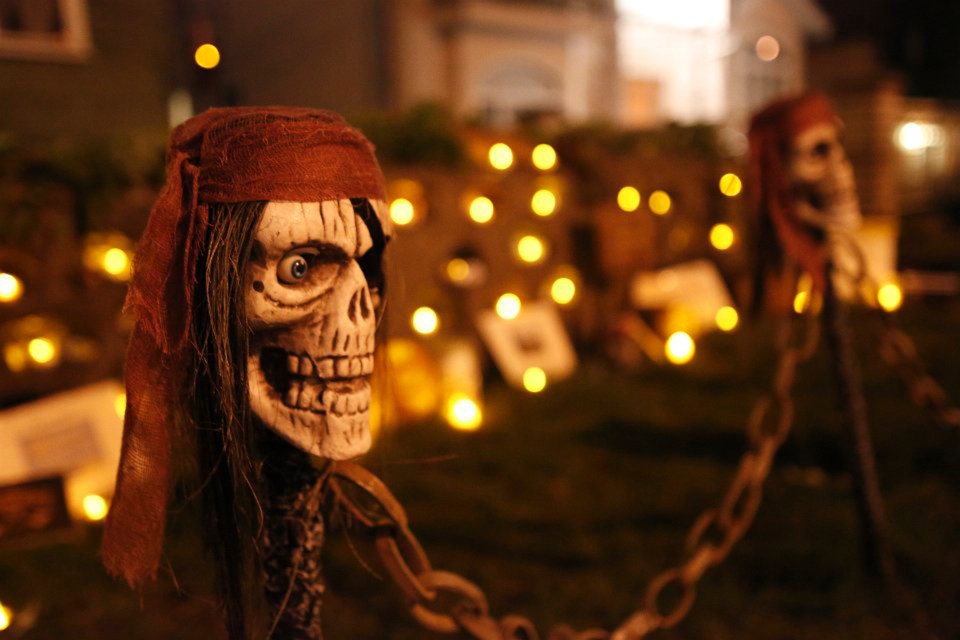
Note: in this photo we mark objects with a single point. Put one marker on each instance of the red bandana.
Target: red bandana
(771, 132)
(223, 155)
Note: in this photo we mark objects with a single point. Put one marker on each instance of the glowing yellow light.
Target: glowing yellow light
(500, 156)
(463, 413)
(628, 199)
(207, 56)
(94, 507)
(890, 297)
(534, 380)
(680, 348)
(910, 136)
(10, 287)
(727, 318)
(402, 212)
(768, 48)
(15, 356)
(120, 404)
(544, 203)
(800, 301)
(481, 210)
(563, 290)
(722, 236)
(116, 262)
(42, 350)
(458, 270)
(531, 249)
(544, 157)
(425, 321)
(508, 306)
(659, 202)
(731, 185)
(6, 617)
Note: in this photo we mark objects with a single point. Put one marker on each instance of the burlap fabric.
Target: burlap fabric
(771, 132)
(221, 156)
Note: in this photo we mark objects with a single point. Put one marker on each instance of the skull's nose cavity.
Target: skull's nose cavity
(360, 306)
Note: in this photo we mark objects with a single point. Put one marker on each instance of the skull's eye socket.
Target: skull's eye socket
(295, 266)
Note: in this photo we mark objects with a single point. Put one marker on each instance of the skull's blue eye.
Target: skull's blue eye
(293, 268)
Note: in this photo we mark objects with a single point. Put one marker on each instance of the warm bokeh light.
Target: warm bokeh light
(800, 301)
(543, 203)
(508, 306)
(402, 212)
(120, 404)
(890, 297)
(42, 350)
(628, 199)
(11, 288)
(425, 321)
(531, 249)
(463, 413)
(413, 380)
(731, 185)
(910, 137)
(458, 270)
(116, 262)
(500, 156)
(544, 157)
(6, 617)
(534, 380)
(659, 202)
(722, 236)
(727, 318)
(207, 56)
(679, 348)
(563, 290)
(94, 507)
(481, 210)
(915, 137)
(768, 48)
(15, 357)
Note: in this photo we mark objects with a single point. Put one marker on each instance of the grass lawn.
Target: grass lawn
(568, 502)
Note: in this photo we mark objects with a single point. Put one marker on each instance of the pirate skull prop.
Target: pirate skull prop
(312, 302)
(821, 179)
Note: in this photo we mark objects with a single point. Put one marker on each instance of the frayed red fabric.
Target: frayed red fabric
(771, 131)
(224, 155)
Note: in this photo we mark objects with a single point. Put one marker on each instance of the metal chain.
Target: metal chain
(447, 603)
(896, 347)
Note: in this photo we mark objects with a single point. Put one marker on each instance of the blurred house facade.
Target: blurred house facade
(713, 61)
(79, 68)
(503, 61)
(489, 59)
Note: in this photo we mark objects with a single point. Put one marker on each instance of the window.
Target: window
(49, 30)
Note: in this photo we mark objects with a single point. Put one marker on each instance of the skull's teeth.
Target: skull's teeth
(306, 367)
(314, 397)
(293, 393)
(325, 368)
(330, 367)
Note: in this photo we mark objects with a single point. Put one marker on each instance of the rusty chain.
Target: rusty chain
(896, 347)
(447, 603)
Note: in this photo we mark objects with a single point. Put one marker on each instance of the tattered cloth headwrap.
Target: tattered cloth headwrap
(221, 156)
(771, 132)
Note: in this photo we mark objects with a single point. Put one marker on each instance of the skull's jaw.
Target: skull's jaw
(325, 416)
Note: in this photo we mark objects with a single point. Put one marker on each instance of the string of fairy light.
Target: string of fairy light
(531, 249)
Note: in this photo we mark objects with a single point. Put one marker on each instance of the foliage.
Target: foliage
(427, 133)
(66, 187)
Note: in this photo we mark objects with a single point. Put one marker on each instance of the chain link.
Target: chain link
(669, 596)
(896, 347)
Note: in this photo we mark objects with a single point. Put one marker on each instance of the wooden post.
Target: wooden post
(878, 556)
(292, 542)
